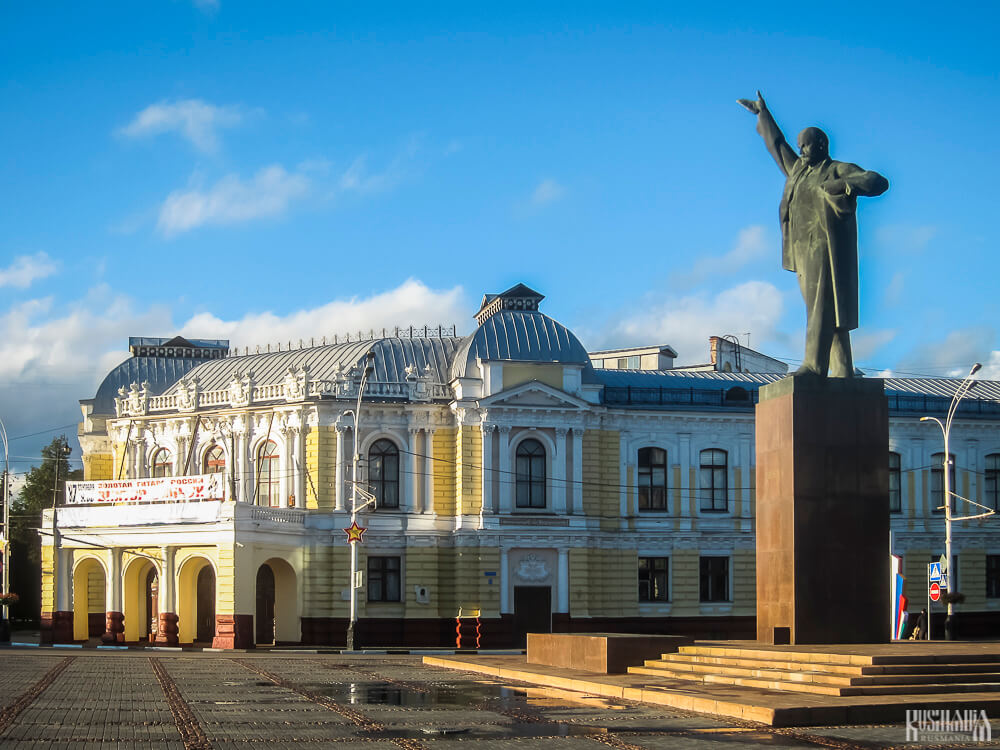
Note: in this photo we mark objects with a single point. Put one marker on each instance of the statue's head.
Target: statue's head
(814, 146)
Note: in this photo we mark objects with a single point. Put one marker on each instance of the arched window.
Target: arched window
(714, 488)
(652, 479)
(163, 463)
(383, 473)
(215, 460)
(268, 474)
(895, 491)
(991, 482)
(530, 474)
(937, 482)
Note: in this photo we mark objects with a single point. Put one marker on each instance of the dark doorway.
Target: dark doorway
(265, 604)
(532, 612)
(206, 604)
(152, 603)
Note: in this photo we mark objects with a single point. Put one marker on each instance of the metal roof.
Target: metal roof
(519, 336)
(159, 372)
(392, 357)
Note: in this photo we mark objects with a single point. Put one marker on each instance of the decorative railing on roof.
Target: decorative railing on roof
(408, 332)
(296, 386)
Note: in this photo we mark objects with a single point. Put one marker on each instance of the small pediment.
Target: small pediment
(535, 395)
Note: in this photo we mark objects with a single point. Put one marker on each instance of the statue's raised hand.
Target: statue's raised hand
(756, 106)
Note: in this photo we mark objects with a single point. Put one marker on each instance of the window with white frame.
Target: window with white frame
(714, 578)
(268, 474)
(991, 481)
(384, 579)
(895, 486)
(529, 475)
(383, 473)
(215, 460)
(654, 579)
(714, 484)
(652, 479)
(162, 464)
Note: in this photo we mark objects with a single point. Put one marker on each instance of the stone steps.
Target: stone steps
(834, 674)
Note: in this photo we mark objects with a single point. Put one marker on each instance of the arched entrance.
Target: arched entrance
(264, 614)
(89, 581)
(196, 600)
(206, 604)
(140, 600)
(276, 619)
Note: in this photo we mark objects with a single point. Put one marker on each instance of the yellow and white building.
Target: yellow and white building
(518, 488)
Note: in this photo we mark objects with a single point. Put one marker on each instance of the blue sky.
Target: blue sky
(263, 172)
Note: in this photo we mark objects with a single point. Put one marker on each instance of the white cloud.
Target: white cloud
(357, 178)
(52, 355)
(909, 237)
(27, 269)
(194, 119)
(752, 244)
(547, 191)
(411, 303)
(894, 290)
(687, 322)
(865, 345)
(953, 356)
(232, 200)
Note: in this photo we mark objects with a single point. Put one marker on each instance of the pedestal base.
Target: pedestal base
(166, 631)
(57, 627)
(233, 631)
(823, 511)
(114, 628)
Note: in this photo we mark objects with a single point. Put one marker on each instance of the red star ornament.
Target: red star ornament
(355, 533)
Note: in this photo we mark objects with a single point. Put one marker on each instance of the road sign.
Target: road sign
(934, 572)
(943, 561)
(935, 591)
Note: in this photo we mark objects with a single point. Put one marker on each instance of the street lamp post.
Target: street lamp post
(369, 367)
(62, 451)
(963, 390)
(6, 519)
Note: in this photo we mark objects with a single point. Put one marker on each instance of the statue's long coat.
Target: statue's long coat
(817, 227)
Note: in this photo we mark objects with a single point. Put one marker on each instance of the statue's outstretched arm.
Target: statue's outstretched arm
(771, 133)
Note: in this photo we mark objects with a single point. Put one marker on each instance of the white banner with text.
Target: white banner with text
(159, 490)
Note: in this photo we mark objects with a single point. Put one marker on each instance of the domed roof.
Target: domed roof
(159, 372)
(519, 336)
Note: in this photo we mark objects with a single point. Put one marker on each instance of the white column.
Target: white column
(487, 467)
(167, 595)
(300, 461)
(428, 471)
(64, 580)
(506, 478)
(410, 501)
(563, 593)
(138, 458)
(577, 505)
(504, 582)
(113, 586)
(338, 482)
(559, 473)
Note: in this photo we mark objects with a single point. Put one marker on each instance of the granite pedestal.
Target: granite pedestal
(823, 511)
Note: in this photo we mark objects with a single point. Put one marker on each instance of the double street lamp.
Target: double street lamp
(963, 390)
(368, 369)
(6, 519)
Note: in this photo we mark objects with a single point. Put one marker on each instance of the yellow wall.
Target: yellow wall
(321, 467)
(685, 588)
(972, 577)
(225, 585)
(325, 574)
(517, 374)
(444, 471)
(48, 592)
(601, 449)
(744, 575)
(98, 466)
(468, 470)
(423, 568)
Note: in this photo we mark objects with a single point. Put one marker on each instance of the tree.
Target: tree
(26, 519)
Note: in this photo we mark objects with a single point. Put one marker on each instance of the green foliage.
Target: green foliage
(26, 518)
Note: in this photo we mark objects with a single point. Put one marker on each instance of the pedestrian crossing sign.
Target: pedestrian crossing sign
(934, 572)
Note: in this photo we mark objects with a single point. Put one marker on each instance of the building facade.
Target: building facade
(518, 488)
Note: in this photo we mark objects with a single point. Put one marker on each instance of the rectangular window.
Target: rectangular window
(714, 575)
(991, 482)
(633, 362)
(937, 482)
(383, 579)
(895, 493)
(652, 479)
(622, 363)
(714, 485)
(993, 576)
(654, 579)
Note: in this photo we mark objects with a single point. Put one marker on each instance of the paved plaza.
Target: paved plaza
(160, 699)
